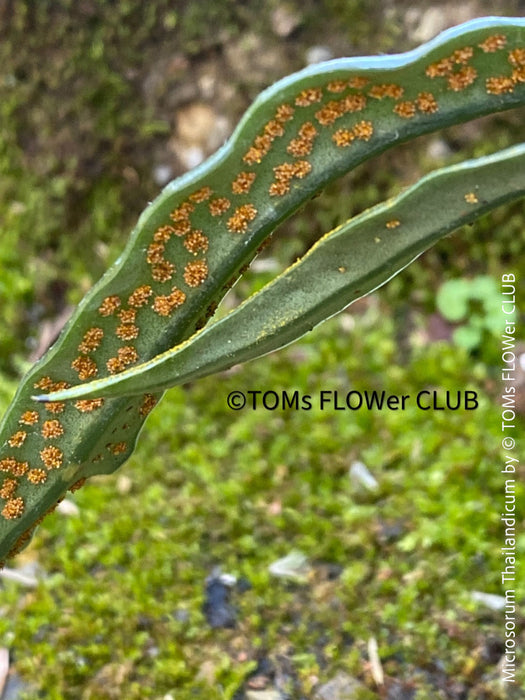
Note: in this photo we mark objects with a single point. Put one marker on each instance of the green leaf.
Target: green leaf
(468, 337)
(342, 266)
(193, 241)
(484, 288)
(452, 299)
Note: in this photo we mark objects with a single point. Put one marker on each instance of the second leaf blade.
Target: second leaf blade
(345, 264)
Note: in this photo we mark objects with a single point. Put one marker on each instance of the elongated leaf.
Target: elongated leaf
(191, 242)
(345, 264)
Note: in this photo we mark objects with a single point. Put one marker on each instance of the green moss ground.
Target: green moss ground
(118, 613)
(118, 610)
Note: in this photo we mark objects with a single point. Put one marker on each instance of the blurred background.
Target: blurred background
(158, 582)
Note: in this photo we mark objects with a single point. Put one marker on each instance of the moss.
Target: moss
(122, 596)
(118, 610)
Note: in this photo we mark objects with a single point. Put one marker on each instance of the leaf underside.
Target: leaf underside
(192, 242)
(342, 266)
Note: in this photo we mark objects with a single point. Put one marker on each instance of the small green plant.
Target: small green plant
(473, 304)
(146, 325)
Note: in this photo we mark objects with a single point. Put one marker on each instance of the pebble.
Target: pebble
(423, 25)
(15, 688)
(268, 694)
(194, 122)
(67, 507)
(438, 149)
(199, 132)
(361, 476)
(293, 566)
(26, 575)
(124, 484)
(342, 687)
(216, 607)
(318, 54)
(162, 174)
(255, 63)
(490, 600)
(285, 20)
